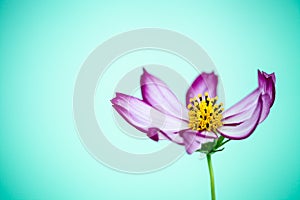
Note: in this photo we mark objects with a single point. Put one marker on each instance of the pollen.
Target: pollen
(204, 113)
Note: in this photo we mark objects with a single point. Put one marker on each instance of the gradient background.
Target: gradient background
(42, 47)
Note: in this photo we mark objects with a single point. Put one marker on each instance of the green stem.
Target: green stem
(211, 174)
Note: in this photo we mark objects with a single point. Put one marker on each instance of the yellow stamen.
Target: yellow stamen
(204, 113)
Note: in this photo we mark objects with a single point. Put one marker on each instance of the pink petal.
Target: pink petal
(157, 94)
(205, 82)
(153, 133)
(267, 104)
(145, 118)
(194, 139)
(245, 104)
(156, 134)
(267, 85)
(173, 136)
(242, 110)
(245, 129)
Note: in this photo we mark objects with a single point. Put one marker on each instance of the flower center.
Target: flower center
(204, 113)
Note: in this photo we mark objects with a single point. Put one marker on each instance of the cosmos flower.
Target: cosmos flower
(202, 120)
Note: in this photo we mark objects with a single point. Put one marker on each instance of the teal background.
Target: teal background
(42, 46)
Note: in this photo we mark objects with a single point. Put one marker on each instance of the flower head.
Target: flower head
(204, 113)
(203, 120)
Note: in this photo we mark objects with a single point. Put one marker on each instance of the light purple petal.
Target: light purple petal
(144, 117)
(244, 129)
(241, 111)
(194, 139)
(267, 104)
(205, 82)
(157, 94)
(156, 134)
(248, 102)
(172, 136)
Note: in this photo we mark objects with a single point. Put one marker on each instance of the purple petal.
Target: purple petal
(145, 118)
(267, 104)
(156, 134)
(246, 103)
(153, 133)
(205, 82)
(157, 94)
(241, 111)
(244, 129)
(194, 139)
(173, 136)
(266, 84)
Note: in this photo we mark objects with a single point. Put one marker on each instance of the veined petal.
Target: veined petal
(157, 94)
(267, 104)
(244, 129)
(205, 82)
(144, 117)
(248, 102)
(156, 134)
(172, 136)
(241, 110)
(194, 139)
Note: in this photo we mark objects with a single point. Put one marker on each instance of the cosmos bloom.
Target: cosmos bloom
(161, 115)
